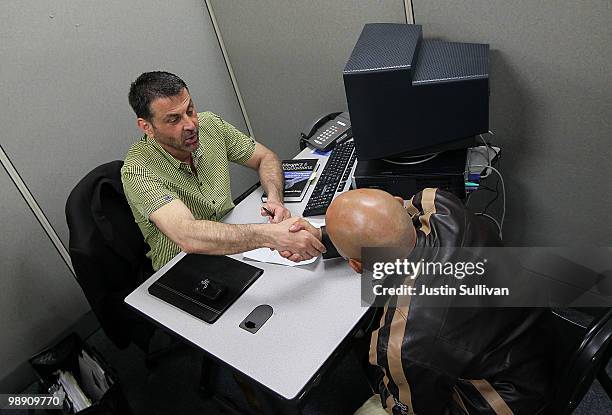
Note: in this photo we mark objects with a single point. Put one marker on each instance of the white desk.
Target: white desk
(315, 307)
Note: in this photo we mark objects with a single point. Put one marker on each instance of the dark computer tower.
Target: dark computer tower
(445, 171)
(408, 95)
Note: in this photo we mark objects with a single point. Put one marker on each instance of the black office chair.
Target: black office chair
(586, 360)
(108, 253)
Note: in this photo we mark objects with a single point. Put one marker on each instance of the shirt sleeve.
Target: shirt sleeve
(240, 147)
(145, 192)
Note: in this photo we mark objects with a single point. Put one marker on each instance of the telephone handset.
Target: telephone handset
(327, 130)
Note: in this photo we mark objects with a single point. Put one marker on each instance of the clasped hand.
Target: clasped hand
(297, 240)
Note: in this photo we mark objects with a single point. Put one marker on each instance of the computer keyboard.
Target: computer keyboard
(332, 179)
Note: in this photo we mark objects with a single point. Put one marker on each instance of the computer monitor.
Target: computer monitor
(407, 95)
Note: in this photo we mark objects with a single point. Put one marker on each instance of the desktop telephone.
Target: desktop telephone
(327, 130)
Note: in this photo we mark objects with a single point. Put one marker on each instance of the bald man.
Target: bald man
(368, 218)
(434, 360)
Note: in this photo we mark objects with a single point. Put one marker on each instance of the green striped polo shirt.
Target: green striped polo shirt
(152, 177)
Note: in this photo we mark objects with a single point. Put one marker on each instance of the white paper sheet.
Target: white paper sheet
(273, 257)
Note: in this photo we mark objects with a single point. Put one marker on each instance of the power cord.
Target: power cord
(499, 224)
(494, 199)
(487, 147)
(493, 219)
(482, 187)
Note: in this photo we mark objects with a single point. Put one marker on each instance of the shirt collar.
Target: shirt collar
(199, 151)
(177, 164)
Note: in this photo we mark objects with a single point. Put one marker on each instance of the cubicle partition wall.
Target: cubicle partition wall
(288, 58)
(38, 296)
(551, 100)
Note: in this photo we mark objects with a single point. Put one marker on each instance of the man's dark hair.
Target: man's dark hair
(152, 85)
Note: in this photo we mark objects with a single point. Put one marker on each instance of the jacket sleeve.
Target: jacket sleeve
(332, 252)
(419, 369)
(424, 349)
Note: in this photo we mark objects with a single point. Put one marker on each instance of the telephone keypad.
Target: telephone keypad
(329, 133)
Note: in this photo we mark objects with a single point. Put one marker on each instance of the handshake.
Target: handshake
(294, 238)
(297, 240)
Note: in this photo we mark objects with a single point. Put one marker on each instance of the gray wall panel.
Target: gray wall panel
(288, 58)
(66, 71)
(551, 100)
(38, 295)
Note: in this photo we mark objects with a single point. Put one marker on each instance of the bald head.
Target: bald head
(368, 218)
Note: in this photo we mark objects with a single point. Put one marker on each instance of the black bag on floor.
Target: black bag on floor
(73, 359)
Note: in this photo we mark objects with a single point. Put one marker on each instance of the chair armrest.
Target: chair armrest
(246, 193)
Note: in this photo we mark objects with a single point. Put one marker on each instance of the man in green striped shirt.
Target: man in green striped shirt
(176, 179)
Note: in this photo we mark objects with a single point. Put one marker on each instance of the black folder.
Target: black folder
(205, 285)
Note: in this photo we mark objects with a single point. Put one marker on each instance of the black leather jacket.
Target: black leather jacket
(440, 360)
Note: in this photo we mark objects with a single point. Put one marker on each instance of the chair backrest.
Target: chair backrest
(581, 367)
(106, 248)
